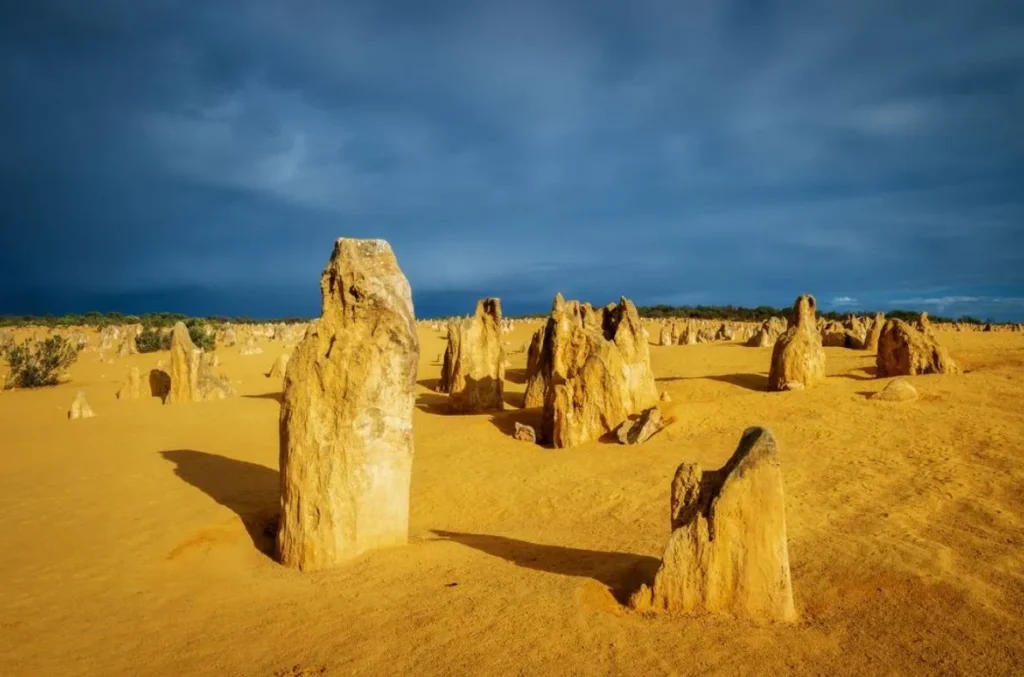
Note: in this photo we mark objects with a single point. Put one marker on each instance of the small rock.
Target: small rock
(642, 429)
(898, 390)
(525, 433)
(665, 397)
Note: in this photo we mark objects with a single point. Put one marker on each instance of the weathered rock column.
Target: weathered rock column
(474, 367)
(346, 418)
(728, 551)
(798, 359)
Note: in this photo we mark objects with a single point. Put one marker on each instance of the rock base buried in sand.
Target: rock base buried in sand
(727, 552)
(898, 390)
(906, 351)
(642, 429)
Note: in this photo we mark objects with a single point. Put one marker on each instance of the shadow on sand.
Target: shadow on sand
(278, 397)
(517, 376)
(429, 383)
(622, 573)
(756, 382)
(865, 374)
(251, 491)
(505, 421)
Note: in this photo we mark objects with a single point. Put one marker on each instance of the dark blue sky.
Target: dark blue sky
(202, 156)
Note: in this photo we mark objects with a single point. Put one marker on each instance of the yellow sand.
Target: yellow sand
(134, 542)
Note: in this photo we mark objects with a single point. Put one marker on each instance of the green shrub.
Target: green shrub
(152, 339)
(200, 336)
(39, 362)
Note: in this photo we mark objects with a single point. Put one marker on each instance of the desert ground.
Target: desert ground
(139, 542)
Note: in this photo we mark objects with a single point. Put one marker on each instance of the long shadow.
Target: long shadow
(757, 382)
(434, 403)
(855, 377)
(516, 400)
(250, 490)
(278, 397)
(517, 376)
(429, 383)
(622, 573)
(159, 384)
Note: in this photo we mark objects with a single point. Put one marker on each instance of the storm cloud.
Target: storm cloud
(202, 157)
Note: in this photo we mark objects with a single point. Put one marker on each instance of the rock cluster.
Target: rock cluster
(728, 551)
(594, 370)
(768, 333)
(798, 359)
(346, 436)
(905, 351)
(833, 335)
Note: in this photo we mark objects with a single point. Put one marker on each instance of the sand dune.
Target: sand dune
(137, 541)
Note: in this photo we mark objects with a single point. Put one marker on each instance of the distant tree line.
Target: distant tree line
(762, 313)
(147, 320)
(728, 313)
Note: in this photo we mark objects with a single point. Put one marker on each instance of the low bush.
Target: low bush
(152, 339)
(39, 362)
(200, 336)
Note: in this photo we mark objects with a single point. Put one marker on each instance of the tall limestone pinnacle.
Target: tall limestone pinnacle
(346, 439)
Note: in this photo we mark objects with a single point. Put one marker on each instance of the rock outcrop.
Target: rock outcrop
(798, 359)
(924, 325)
(727, 552)
(905, 351)
(688, 337)
(873, 334)
(475, 361)
(665, 337)
(596, 366)
(80, 408)
(192, 380)
(128, 347)
(536, 381)
(346, 418)
(768, 333)
(833, 335)
(132, 387)
(448, 361)
(280, 366)
(250, 347)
